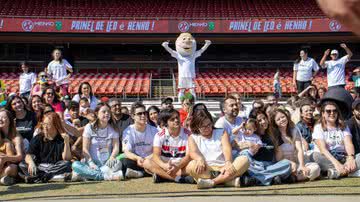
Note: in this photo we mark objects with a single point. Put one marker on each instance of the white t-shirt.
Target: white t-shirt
(334, 138)
(100, 142)
(211, 148)
(186, 64)
(336, 71)
(93, 102)
(245, 138)
(58, 71)
(288, 150)
(139, 143)
(226, 125)
(26, 81)
(305, 68)
(172, 148)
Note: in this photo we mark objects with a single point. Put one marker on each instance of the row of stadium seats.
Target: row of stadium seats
(129, 84)
(251, 81)
(164, 8)
(208, 83)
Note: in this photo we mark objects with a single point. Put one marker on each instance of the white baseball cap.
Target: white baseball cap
(334, 52)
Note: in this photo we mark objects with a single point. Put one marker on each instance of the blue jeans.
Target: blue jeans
(99, 174)
(265, 171)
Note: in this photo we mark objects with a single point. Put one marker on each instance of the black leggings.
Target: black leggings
(128, 163)
(44, 171)
(302, 85)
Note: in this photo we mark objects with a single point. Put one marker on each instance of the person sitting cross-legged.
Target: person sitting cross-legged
(170, 156)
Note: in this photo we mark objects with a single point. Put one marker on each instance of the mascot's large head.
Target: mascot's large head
(185, 44)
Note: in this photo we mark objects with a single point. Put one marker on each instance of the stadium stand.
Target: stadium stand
(164, 9)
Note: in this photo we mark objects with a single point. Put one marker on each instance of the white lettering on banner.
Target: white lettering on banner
(1, 23)
(240, 26)
(47, 24)
(142, 26)
(111, 26)
(295, 25)
(269, 25)
(82, 25)
(197, 24)
(99, 26)
(122, 26)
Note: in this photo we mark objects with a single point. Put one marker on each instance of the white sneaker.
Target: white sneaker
(7, 181)
(130, 173)
(75, 177)
(205, 183)
(118, 175)
(58, 178)
(355, 174)
(233, 183)
(332, 174)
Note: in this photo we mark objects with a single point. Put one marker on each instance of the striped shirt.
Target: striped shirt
(172, 148)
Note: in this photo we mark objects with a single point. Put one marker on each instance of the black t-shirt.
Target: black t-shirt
(266, 153)
(355, 132)
(26, 126)
(48, 151)
(123, 123)
(83, 121)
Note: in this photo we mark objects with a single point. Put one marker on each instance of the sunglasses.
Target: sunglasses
(141, 113)
(329, 111)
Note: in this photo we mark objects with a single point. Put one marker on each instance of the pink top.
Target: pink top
(57, 107)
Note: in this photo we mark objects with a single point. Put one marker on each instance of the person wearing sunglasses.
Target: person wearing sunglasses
(334, 149)
(51, 98)
(27, 80)
(40, 85)
(137, 142)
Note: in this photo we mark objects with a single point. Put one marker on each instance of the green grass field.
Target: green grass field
(145, 188)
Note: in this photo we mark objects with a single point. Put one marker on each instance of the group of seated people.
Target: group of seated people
(46, 138)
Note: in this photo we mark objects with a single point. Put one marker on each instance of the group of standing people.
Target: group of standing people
(306, 68)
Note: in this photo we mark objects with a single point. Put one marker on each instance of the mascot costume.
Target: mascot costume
(186, 54)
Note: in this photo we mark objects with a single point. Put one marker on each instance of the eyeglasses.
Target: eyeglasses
(206, 126)
(330, 111)
(141, 113)
(43, 76)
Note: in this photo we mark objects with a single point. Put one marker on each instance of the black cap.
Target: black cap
(166, 100)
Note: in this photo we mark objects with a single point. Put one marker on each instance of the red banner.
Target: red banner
(171, 26)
